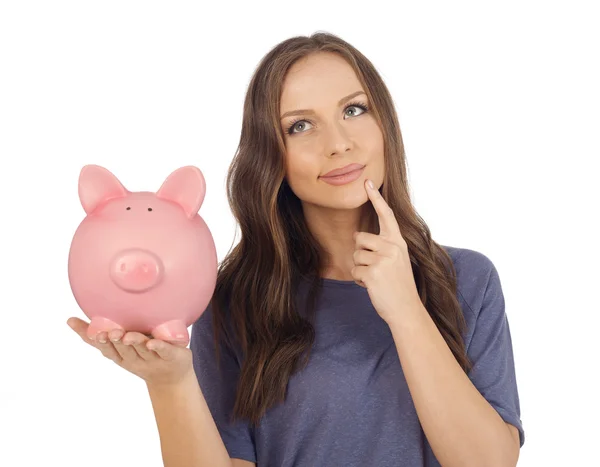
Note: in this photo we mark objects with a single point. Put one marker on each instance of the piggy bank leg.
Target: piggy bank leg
(172, 331)
(99, 324)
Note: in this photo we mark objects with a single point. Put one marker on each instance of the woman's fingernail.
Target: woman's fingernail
(117, 336)
(371, 185)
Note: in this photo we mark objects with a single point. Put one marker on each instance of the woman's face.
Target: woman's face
(331, 132)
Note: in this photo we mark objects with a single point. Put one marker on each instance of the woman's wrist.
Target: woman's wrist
(183, 383)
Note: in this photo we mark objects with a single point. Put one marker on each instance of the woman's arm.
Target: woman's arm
(187, 430)
(462, 428)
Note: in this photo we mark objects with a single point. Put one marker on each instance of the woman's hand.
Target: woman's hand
(382, 265)
(157, 362)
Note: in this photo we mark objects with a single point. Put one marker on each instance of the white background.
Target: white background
(498, 106)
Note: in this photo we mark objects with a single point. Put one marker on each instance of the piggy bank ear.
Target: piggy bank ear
(186, 187)
(98, 185)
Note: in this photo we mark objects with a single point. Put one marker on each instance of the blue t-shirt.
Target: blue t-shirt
(351, 406)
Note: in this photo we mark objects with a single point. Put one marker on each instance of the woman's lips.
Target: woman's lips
(343, 179)
(343, 170)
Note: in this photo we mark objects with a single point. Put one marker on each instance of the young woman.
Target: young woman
(339, 332)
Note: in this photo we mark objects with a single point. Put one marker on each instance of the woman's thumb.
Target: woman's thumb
(162, 348)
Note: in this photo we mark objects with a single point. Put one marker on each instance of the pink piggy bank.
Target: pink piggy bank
(142, 261)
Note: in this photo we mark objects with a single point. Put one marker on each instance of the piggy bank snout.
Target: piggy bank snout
(136, 270)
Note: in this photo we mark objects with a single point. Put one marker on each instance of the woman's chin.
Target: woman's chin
(346, 202)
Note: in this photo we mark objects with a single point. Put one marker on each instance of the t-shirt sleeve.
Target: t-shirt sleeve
(218, 384)
(491, 352)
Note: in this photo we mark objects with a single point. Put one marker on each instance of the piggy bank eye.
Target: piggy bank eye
(149, 209)
(128, 208)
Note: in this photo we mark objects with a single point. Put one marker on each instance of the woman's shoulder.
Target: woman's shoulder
(476, 274)
(466, 258)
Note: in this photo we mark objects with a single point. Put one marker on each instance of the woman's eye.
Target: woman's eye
(297, 123)
(355, 107)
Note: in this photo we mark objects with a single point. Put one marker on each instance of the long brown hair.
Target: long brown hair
(253, 305)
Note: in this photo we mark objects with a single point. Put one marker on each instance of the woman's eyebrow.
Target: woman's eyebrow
(309, 111)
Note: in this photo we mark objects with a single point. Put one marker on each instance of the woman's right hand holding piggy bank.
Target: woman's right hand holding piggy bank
(159, 363)
(142, 266)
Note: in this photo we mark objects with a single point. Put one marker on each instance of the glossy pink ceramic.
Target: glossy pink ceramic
(142, 261)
